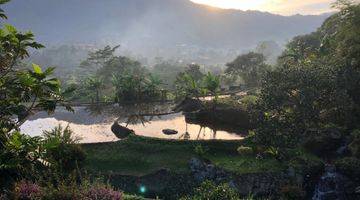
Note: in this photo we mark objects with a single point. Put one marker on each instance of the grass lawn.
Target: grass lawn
(139, 156)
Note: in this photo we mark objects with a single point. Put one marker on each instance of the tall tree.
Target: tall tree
(97, 59)
(249, 66)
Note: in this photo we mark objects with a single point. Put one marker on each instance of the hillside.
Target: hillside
(143, 24)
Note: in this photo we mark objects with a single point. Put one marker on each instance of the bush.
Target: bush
(27, 191)
(245, 151)
(292, 192)
(322, 142)
(101, 192)
(200, 150)
(249, 100)
(66, 190)
(62, 150)
(350, 167)
(354, 146)
(209, 191)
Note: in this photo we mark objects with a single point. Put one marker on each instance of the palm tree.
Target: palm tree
(211, 83)
(94, 83)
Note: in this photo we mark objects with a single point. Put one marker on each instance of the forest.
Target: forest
(272, 123)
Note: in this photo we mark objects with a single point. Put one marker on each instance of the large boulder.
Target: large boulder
(121, 132)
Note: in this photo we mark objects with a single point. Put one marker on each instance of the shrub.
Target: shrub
(62, 149)
(354, 146)
(27, 191)
(200, 150)
(101, 192)
(209, 191)
(245, 151)
(349, 166)
(322, 142)
(249, 100)
(292, 192)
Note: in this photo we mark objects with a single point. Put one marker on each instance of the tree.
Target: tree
(249, 66)
(211, 83)
(95, 84)
(118, 65)
(316, 83)
(97, 59)
(167, 71)
(187, 86)
(270, 49)
(22, 92)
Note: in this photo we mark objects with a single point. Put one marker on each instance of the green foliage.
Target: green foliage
(350, 167)
(98, 59)
(94, 85)
(245, 151)
(23, 90)
(316, 83)
(211, 83)
(196, 85)
(249, 66)
(187, 86)
(210, 191)
(354, 146)
(62, 151)
(167, 71)
(200, 150)
(18, 157)
(136, 87)
(2, 13)
(249, 101)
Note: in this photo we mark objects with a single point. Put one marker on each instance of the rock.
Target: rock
(170, 132)
(330, 186)
(202, 171)
(258, 184)
(121, 132)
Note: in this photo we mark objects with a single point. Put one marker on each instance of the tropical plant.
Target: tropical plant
(61, 149)
(187, 86)
(211, 83)
(22, 92)
(94, 85)
(210, 191)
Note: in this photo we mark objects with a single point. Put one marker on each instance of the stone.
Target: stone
(170, 132)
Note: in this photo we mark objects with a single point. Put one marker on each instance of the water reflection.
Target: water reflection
(93, 123)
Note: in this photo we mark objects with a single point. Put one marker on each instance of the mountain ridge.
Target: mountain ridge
(154, 26)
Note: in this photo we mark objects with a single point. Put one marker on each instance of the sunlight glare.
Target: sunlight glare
(237, 4)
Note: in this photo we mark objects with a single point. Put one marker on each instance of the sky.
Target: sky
(283, 7)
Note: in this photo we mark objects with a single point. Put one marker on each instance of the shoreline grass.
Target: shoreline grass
(138, 156)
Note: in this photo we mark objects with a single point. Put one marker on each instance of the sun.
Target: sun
(236, 4)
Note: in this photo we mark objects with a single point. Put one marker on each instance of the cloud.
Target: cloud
(284, 7)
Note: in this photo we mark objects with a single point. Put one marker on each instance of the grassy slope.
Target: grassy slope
(139, 156)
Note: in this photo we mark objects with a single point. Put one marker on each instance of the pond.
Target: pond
(93, 124)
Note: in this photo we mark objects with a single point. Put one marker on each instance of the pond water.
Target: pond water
(93, 124)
